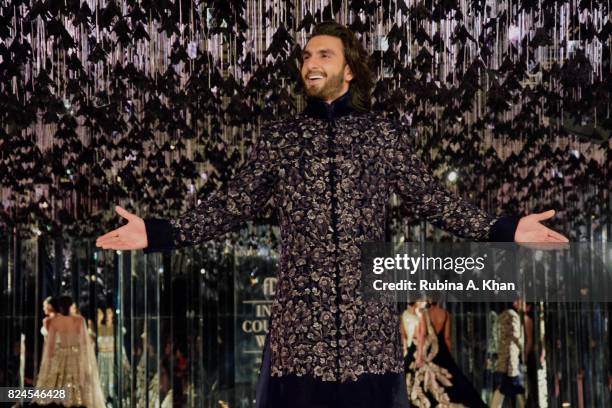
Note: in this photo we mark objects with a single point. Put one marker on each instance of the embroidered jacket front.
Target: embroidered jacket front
(329, 172)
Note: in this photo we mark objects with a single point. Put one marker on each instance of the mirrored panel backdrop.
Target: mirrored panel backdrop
(187, 328)
(184, 328)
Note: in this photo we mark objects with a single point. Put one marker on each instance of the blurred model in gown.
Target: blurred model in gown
(426, 380)
(409, 322)
(106, 355)
(461, 391)
(145, 371)
(509, 378)
(530, 357)
(160, 390)
(435, 377)
(68, 362)
(50, 309)
(490, 357)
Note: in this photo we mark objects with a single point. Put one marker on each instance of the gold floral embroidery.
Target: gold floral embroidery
(321, 324)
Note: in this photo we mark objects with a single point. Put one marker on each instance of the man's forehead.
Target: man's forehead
(321, 42)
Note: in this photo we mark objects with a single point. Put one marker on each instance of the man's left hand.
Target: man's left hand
(529, 229)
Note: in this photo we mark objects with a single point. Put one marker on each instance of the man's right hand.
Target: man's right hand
(132, 235)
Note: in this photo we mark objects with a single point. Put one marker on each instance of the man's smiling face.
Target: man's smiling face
(325, 73)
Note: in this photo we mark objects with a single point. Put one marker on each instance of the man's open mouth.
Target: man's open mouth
(313, 78)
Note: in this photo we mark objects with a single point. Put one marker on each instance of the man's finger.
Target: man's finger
(545, 244)
(555, 244)
(544, 215)
(123, 212)
(110, 234)
(555, 234)
(118, 245)
(109, 242)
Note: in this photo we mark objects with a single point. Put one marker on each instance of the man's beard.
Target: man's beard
(330, 90)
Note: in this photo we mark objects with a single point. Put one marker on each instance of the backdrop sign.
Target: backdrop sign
(255, 285)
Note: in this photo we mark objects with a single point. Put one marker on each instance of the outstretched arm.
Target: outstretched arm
(448, 332)
(222, 211)
(424, 196)
(404, 337)
(421, 334)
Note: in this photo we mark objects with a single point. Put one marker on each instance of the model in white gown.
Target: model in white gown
(69, 363)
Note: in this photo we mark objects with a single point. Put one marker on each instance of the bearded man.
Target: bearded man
(330, 172)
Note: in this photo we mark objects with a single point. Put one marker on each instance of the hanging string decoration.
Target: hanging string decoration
(154, 104)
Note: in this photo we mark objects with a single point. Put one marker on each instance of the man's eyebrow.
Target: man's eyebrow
(321, 51)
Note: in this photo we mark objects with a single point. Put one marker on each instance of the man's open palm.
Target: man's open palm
(132, 235)
(530, 230)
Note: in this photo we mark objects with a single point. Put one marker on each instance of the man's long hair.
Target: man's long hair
(357, 59)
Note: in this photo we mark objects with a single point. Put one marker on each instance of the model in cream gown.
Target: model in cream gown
(69, 363)
(106, 356)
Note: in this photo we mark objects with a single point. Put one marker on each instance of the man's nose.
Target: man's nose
(311, 65)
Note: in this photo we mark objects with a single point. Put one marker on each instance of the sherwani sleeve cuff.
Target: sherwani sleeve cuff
(159, 235)
(504, 229)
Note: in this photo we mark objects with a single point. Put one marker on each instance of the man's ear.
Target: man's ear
(348, 73)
